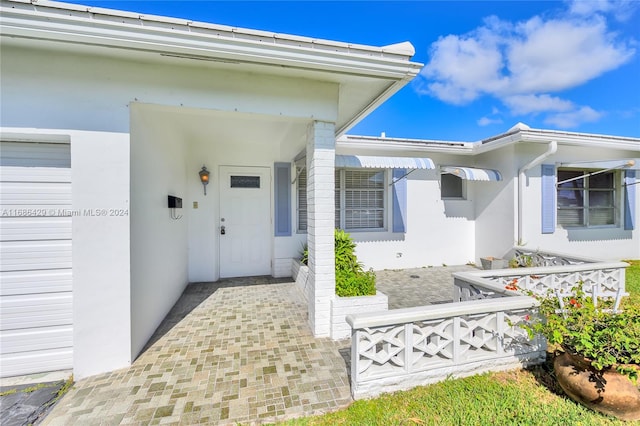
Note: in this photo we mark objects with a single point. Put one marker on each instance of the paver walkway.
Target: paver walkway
(406, 288)
(236, 351)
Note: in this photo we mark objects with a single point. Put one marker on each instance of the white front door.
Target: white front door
(245, 221)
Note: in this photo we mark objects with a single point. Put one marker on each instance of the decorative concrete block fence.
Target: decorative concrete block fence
(608, 279)
(403, 348)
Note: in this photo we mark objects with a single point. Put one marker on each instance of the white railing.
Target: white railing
(608, 278)
(533, 258)
(403, 348)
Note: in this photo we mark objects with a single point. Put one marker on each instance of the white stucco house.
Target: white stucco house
(105, 114)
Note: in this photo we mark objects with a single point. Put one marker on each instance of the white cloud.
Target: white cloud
(573, 118)
(485, 121)
(452, 58)
(555, 55)
(621, 9)
(534, 104)
(522, 64)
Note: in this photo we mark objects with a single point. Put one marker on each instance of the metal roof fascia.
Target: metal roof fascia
(562, 138)
(74, 29)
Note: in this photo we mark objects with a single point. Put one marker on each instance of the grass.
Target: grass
(509, 398)
(521, 397)
(25, 390)
(633, 281)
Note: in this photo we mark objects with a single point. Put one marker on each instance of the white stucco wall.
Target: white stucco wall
(101, 280)
(100, 234)
(135, 271)
(486, 223)
(438, 231)
(158, 243)
(99, 90)
(496, 204)
(496, 224)
(606, 243)
(71, 102)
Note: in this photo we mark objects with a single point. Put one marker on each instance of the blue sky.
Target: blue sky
(563, 65)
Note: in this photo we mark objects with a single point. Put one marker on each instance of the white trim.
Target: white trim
(200, 40)
(472, 173)
(628, 164)
(375, 162)
(473, 148)
(586, 174)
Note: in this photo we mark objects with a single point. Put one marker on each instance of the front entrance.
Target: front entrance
(245, 221)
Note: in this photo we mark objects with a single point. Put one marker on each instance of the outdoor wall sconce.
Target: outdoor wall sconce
(204, 178)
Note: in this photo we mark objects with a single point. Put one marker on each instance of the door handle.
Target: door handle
(222, 230)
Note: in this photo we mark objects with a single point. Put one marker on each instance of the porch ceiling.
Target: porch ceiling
(284, 134)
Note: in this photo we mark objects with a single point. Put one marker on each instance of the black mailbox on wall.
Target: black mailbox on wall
(175, 202)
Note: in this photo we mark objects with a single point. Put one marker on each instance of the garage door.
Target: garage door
(36, 330)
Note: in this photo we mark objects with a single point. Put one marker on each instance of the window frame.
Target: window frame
(340, 194)
(586, 190)
(341, 181)
(463, 189)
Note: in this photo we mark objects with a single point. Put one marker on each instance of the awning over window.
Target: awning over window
(470, 173)
(383, 162)
(625, 164)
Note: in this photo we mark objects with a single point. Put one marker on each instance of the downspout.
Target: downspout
(551, 149)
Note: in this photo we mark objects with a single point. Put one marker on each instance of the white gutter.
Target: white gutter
(385, 144)
(43, 20)
(551, 149)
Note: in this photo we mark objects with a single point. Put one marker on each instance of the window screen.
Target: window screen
(359, 199)
(586, 200)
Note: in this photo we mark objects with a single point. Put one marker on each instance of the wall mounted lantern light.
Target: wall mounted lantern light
(204, 178)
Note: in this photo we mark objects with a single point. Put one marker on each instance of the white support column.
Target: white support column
(321, 222)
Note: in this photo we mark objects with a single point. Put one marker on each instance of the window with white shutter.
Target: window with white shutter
(360, 199)
(585, 200)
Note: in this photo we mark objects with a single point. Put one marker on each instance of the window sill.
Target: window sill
(586, 228)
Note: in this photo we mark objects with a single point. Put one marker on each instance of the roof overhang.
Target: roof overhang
(367, 75)
(517, 135)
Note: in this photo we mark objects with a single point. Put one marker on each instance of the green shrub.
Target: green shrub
(346, 259)
(594, 330)
(350, 283)
(351, 279)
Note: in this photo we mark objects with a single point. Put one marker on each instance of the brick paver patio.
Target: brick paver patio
(236, 351)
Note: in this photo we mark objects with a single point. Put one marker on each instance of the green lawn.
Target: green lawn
(523, 397)
(633, 281)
